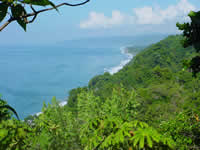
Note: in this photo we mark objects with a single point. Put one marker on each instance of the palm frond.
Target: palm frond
(11, 109)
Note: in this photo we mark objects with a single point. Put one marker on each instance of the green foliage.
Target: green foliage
(13, 135)
(111, 124)
(22, 10)
(17, 11)
(39, 3)
(164, 57)
(122, 103)
(191, 33)
(184, 129)
(72, 98)
(3, 10)
(163, 88)
(9, 108)
(116, 134)
(5, 111)
(56, 129)
(147, 112)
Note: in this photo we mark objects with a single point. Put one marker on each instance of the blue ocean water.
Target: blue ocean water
(33, 75)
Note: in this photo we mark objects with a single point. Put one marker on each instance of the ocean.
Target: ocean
(32, 75)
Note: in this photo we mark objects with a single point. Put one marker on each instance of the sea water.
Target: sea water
(32, 75)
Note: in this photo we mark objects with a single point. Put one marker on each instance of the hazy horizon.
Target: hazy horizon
(133, 17)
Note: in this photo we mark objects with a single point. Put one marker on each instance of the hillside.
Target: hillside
(156, 74)
(165, 56)
(152, 103)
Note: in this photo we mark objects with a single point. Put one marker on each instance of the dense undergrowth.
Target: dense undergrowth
(152, 103)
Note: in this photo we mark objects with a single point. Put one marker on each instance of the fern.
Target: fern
(135, 134)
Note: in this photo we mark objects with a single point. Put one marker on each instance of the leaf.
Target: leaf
(3, 10)
(53, 5)
(17, 12)
(21, 132)
(10, 108)
(3, 133)
(37, 2)
(141, 142)
(149, 141)
(136, 139)
(40, 3)
(192, 14)
(121, 137)
(53, 100)
(44, 107)
(22, 23)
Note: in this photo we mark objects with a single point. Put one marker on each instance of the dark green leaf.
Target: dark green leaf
(22, 23)
(17, 12)
(53, 5)
(3, 10)
(38, 2)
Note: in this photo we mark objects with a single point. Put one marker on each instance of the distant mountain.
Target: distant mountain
(118, 41)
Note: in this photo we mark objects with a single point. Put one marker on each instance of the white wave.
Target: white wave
(115, 69)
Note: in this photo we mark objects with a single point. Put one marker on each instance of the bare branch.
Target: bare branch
(32, 8)
(6, 23)
(62, 4)
(34, 17)
(35, 13)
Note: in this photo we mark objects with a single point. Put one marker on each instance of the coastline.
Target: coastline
(129, 56)
(124, 51)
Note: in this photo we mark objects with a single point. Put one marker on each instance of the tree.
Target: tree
(191, 32)
(18, 10)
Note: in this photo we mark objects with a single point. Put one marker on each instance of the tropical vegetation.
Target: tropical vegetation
(152, 103)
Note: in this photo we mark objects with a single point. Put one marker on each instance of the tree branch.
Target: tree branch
(62, 4)
(34, 17)
(6, 23)
(35, 13)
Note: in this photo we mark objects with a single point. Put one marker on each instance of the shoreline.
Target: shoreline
(125, 51)
(124, 62)
(112, 70)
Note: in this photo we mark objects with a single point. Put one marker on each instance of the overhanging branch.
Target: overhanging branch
(6, 23)
(35, 13)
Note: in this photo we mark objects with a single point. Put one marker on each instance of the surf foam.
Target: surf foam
(117, 68)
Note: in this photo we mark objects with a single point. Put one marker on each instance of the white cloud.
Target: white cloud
(142, 16)
(146, 15)
(99, 20)
(150, 15)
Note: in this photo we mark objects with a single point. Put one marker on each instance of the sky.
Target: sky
(101, 18)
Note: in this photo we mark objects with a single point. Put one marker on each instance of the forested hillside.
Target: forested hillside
(152, 103)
